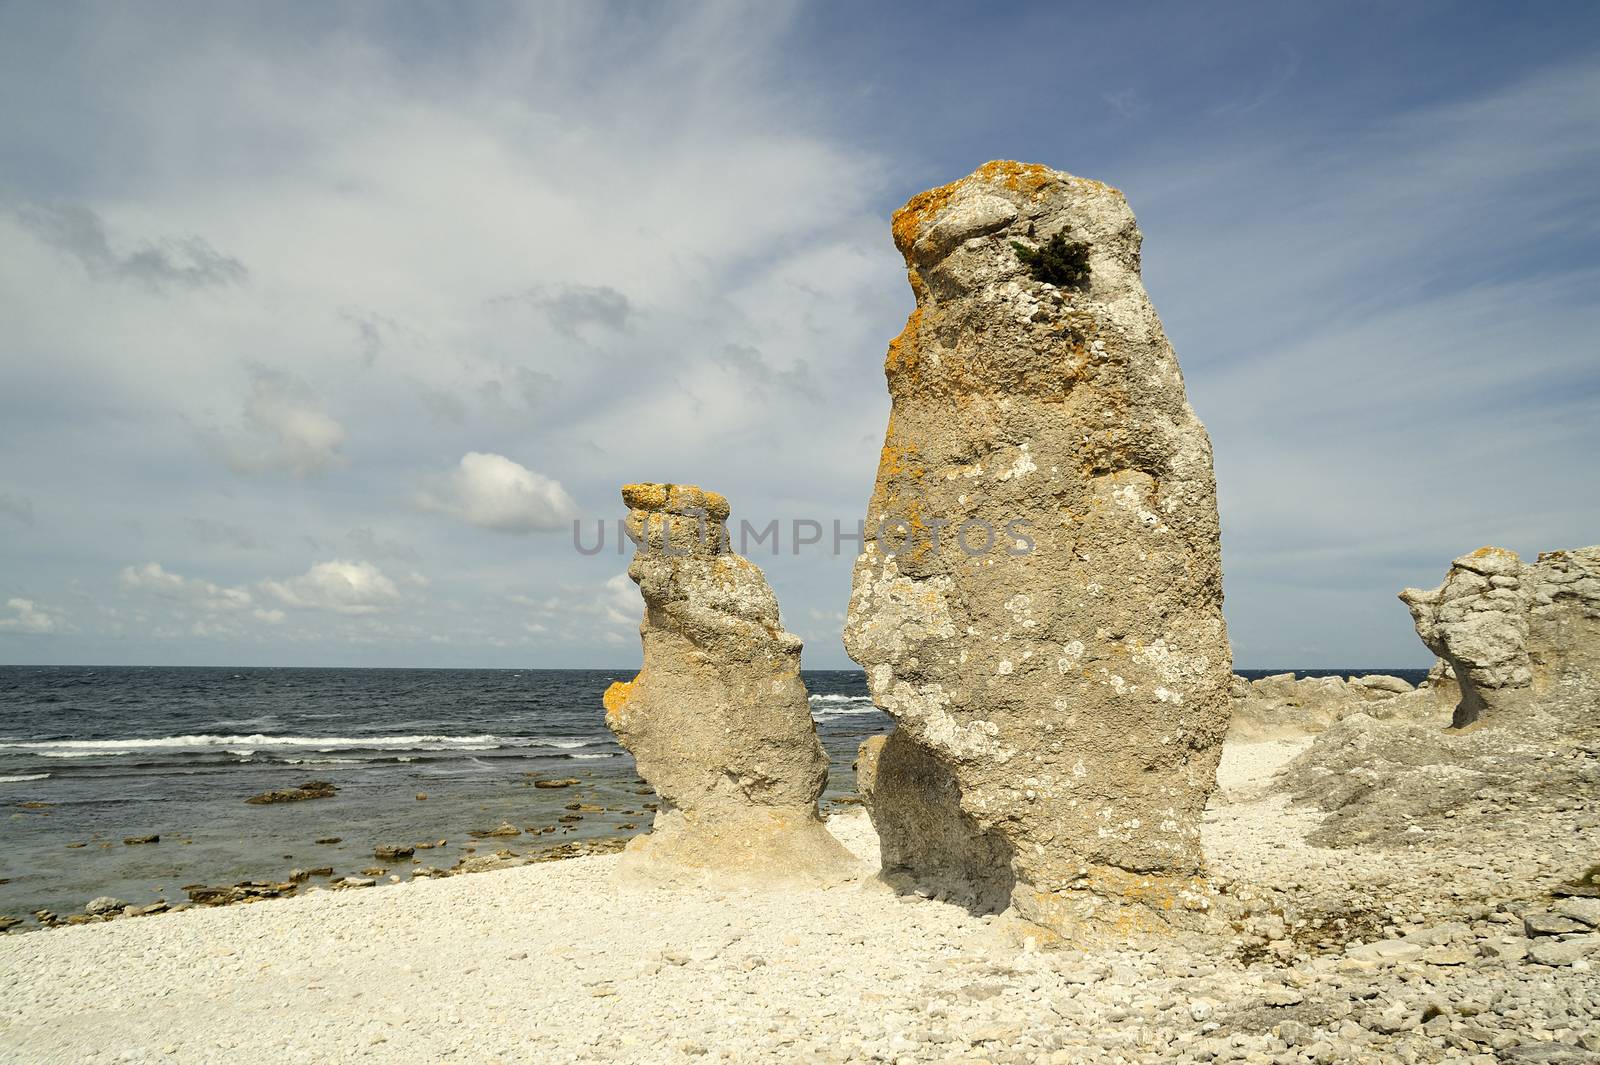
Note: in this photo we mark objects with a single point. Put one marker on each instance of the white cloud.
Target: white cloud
(621, 600)
(204, 594)
(338, 586)
(30, 617)
(284, 429)
(497, 493)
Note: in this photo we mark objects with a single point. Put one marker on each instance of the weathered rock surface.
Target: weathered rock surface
(717, 719)
(1039, 599)
(1519, 637)
(1523, 642)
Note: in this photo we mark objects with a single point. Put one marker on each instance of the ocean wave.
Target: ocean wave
(23, 777)
(828, 707)
(267, 744)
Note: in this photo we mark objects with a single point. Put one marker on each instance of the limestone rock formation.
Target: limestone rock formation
(1523, 643)
(1519, 638)
(1039, 600)
(717, 719)
(1283, 705)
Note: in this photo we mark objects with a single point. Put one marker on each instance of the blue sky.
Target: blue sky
(319, 323)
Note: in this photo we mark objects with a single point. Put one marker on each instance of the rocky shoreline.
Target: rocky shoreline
(1439, 948)
(391, 862)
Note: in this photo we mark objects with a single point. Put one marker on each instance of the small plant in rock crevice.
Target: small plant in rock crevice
(1060, 262)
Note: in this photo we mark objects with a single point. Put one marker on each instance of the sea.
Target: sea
(91, 756)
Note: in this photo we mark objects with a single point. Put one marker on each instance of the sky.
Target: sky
(321, 324)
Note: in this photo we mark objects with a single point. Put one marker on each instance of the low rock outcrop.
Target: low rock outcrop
(1283, 706)
(717, 719)
(1523, 643)
(1039, 600)
(1519, 637)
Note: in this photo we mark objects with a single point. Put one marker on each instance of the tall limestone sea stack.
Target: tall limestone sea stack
(717, 719)
(1060, 694)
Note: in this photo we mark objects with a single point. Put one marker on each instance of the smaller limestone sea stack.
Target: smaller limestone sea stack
(717, 719)
(1521, 638)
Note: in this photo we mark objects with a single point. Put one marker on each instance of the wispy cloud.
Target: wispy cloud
(284, 428)
(80, 232)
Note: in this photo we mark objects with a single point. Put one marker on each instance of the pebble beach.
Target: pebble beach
(558, 962)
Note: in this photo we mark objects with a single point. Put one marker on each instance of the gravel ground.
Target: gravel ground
(1322, 955)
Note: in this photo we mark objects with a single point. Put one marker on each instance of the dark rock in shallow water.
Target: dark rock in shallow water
(330, 840)
(133, 841)
(393, 853)
(213, 896)
(311, 789)
(505, 828)
(567, 783)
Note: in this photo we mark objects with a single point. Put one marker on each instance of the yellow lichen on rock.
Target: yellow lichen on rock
(682, 499)
(616, 696)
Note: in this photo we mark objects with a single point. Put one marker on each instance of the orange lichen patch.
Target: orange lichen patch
(683, 499)
(1026, 178)
(617, 696)
(903, 353)
(907, 222)
(892, 462)
(645, 496)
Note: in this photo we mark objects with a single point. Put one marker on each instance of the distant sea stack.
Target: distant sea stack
(717, 719)
(1061, 693)
(1521, 638)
